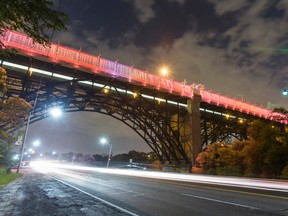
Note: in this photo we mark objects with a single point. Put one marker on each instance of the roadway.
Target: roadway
(153, 193)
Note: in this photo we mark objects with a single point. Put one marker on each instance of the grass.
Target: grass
(6, 178)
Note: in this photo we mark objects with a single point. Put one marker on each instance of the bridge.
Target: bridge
(175, 119)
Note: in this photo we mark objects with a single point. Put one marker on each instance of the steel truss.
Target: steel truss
(149, 118)
(152, 118)
(222, 128)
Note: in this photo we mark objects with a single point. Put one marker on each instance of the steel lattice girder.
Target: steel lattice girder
(150, 118)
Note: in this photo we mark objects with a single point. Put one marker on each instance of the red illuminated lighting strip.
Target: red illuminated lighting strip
(94, 64)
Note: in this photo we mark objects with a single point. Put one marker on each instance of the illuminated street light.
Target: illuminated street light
(104, 141)
(16, 157)
(164, 71)
(135, 95)
(55, 112)
(31, 151)
(36, 143)
(285, 92)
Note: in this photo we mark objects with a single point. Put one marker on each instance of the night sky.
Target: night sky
(233, 47)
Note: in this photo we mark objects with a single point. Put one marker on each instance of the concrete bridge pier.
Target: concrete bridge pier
(190, 131)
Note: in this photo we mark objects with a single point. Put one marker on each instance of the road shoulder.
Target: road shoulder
(41, 195)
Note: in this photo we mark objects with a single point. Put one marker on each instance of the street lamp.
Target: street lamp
(24, 142)
(164, 71)
(285, 92)
(36, 143)
(104, 141)
(55, 112)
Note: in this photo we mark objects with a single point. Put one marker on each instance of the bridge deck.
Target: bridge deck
(95, 64)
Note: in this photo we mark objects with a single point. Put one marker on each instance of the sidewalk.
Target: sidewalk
(36, 194)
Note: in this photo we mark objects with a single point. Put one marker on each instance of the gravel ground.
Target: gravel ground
(36, 194)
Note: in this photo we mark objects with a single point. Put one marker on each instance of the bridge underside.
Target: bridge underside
(168, 123)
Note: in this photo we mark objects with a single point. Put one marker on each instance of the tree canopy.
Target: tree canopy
(36, 18)
(3, 77)
(264, 154)
(13, 112)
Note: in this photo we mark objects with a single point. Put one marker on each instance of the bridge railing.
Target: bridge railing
(96, 64)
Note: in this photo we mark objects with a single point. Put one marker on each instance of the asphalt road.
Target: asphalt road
(142, 195)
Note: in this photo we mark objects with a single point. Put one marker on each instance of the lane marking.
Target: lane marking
(95, 197)
(220, 201)
(89, 179)
(183, 184)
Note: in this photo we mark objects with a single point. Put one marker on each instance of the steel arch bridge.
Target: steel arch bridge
(175, 119)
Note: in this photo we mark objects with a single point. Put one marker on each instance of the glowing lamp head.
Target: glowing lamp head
(36, 143)
(103, 140)
(285, 92)
(29, 72)
(56, 112)
(164, 71)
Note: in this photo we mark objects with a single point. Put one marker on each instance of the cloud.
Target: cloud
(240, 60)
(181, 2)
(226, 6)
(241, 69)
(143, 9)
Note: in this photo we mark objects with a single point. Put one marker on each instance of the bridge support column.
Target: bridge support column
(191, 132)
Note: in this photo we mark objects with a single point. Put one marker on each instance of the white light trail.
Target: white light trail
(272, 185)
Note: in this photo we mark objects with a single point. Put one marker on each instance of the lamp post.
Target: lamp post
(24, 142)
(285, 92)
(55, 112)
(103, 141)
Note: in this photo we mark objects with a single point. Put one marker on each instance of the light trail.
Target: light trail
(264, 184)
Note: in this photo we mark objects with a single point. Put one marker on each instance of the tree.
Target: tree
(206, 160)
(12, 115)
(98, 157)
(221, 159)
(264, 154)
(33, 17)
(3, 78)
(268, 149)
